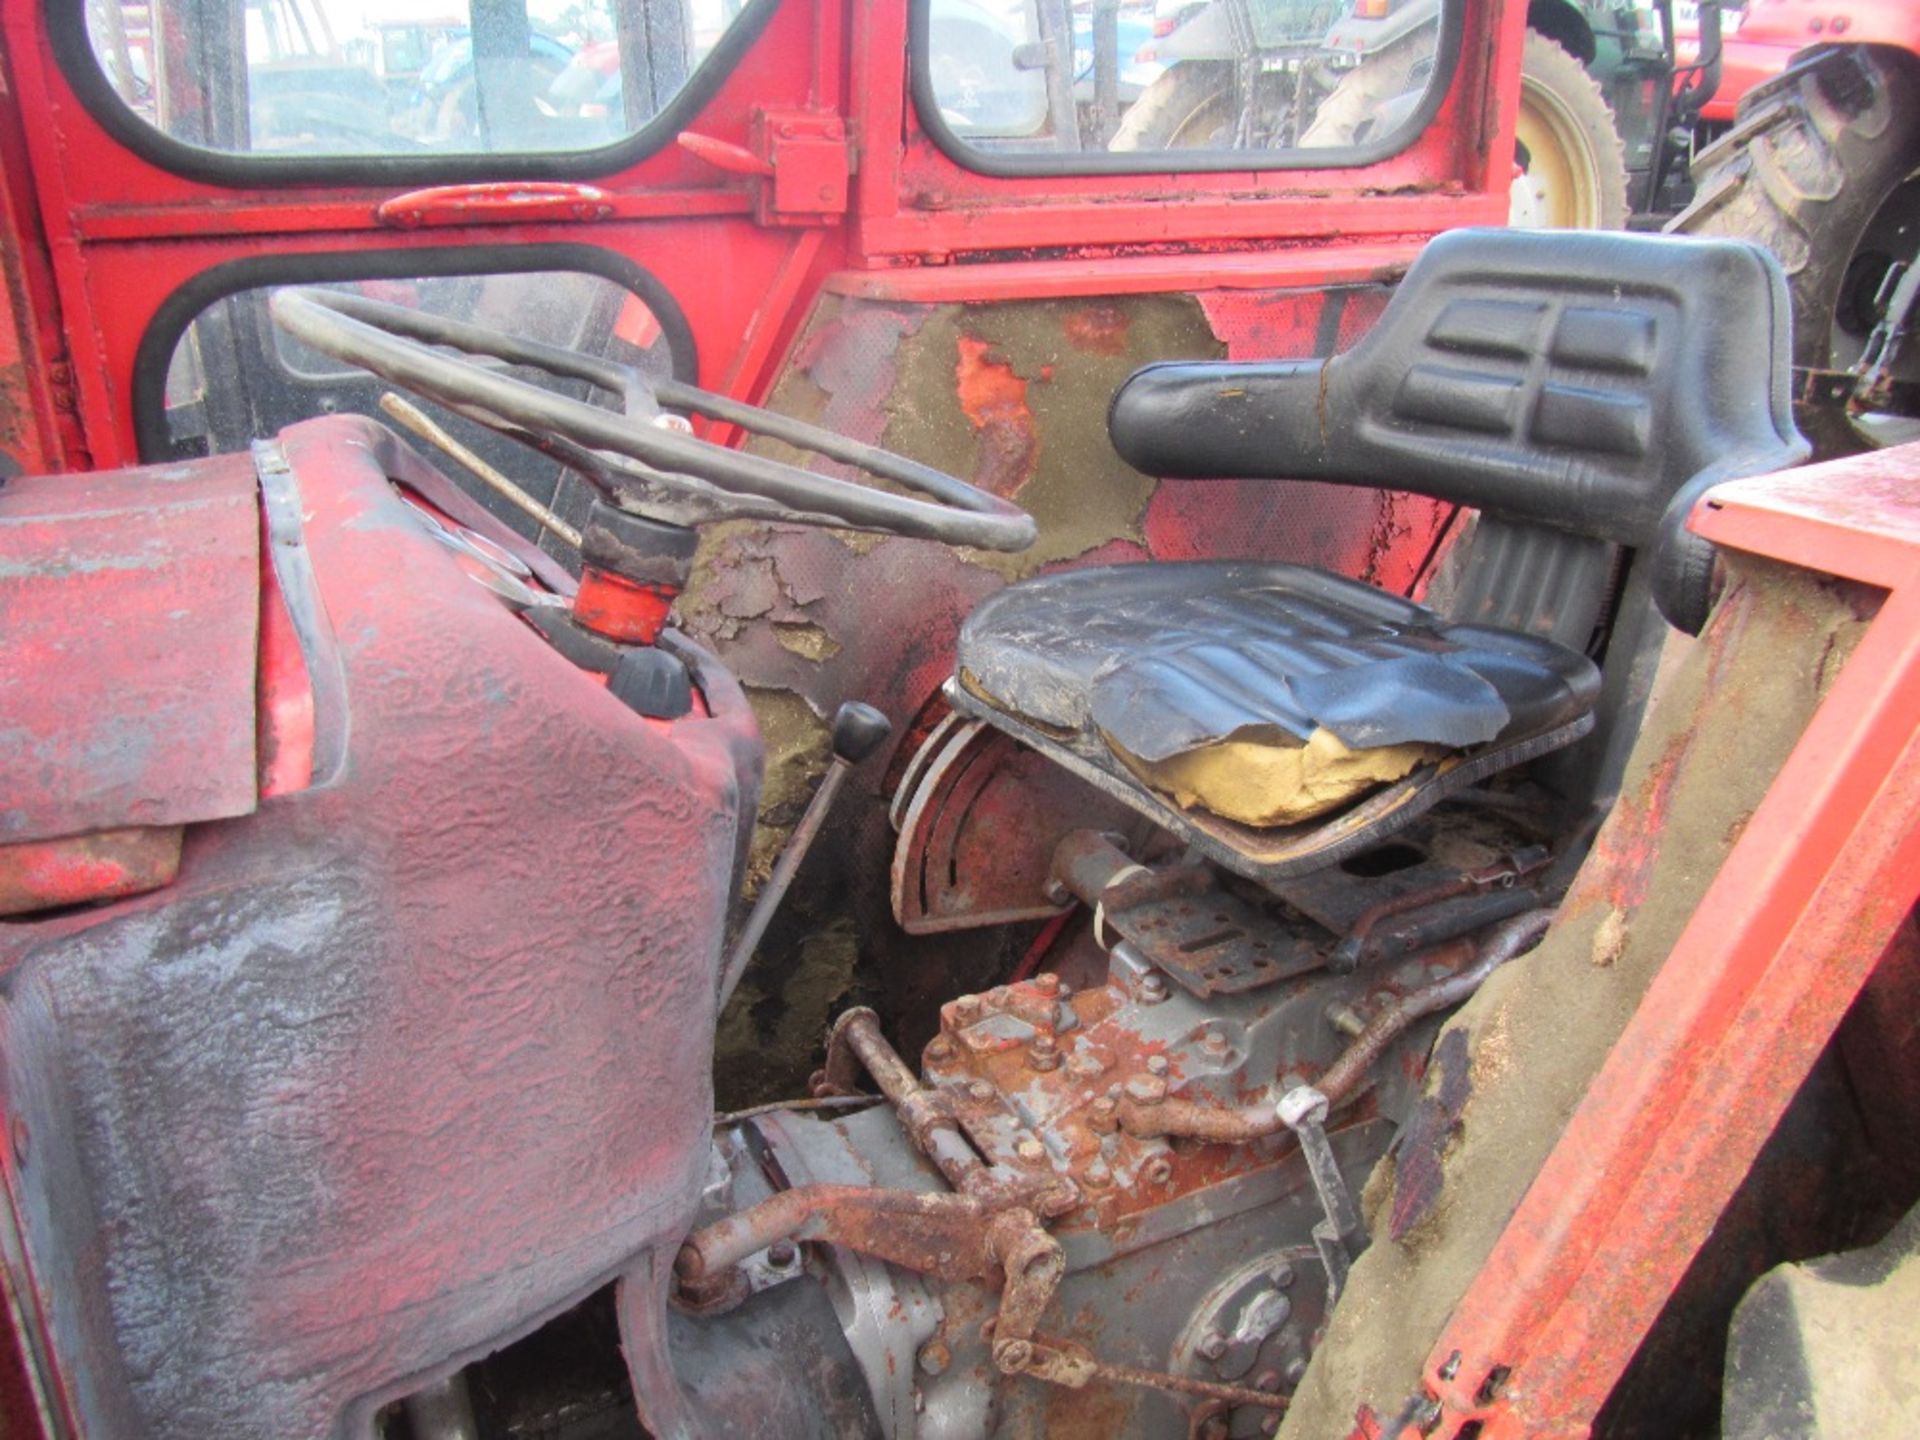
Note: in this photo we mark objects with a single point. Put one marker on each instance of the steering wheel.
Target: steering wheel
(644, 460)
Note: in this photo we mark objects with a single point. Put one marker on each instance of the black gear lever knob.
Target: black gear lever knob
(858, 731)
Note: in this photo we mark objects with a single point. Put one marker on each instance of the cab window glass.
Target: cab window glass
(416, 79)
(1173, 84)
(234, 376)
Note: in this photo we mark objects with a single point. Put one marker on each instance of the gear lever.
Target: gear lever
(858, 731)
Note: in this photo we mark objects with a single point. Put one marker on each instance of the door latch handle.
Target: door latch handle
(496, 202)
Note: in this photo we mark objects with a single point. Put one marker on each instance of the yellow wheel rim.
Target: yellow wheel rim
(1560, 190)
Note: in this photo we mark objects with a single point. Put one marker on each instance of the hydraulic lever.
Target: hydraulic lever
(858, 731)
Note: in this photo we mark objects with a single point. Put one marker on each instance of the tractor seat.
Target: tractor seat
(1576, 392)
(1264, 695)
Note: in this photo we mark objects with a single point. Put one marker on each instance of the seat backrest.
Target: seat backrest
(1592, 383)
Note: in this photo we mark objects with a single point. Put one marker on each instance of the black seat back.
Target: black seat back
(1591, 384)
(1579, 389)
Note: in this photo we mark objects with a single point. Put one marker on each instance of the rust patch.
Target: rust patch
(994, 400)
(1418, 1168)
(1099, 328)
(1101, 1409)
(989, 391)
(1080, 492)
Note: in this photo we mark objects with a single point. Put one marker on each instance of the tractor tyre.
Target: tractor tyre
(1573, 162)
(1823, 168)
(1189, 106)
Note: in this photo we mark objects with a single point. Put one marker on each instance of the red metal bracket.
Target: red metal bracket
(801, 157)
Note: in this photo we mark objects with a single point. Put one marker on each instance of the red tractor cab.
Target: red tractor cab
(799, 750)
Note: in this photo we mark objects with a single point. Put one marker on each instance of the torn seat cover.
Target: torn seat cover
(130, 606)
(1265, 694)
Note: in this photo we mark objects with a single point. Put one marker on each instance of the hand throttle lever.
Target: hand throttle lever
(858, 731)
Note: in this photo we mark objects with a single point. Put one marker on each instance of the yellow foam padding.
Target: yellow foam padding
(1275, 782)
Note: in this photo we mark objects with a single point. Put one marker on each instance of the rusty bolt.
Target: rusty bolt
(1270, 1422)
(1044, 1053)
(1267, 1380)
(1214, 1043)
(1147, 1089)
(1085, 1064)
(781, 1254)
(1057, 1199)
(1213, 1345)
(1011, 1356)
(980, 1090)
(1281, 1275)
(1345, 1018)
(1157, 1065)
(939, 1050)
(1048, 985)
(1159, 1170)
(1030, 1150)
(1056, 892)
(1296, 1372)
(1102, 1119)
(935, 1357)
(1098, 1175)
(1153, 989)
(966, 1009)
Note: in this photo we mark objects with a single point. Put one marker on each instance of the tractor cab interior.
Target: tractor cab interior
(810, 719)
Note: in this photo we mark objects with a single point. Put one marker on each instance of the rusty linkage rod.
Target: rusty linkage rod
(1502, 874)
(1148, 1118)
(988, 1230)
(1061, 1362)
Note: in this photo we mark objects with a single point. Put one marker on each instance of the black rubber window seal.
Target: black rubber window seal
(184, 305)
(1030, 164)
(73, 51)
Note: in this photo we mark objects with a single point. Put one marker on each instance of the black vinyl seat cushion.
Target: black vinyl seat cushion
(1132, 667)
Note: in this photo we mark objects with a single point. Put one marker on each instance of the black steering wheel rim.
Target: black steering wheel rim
(666, 470)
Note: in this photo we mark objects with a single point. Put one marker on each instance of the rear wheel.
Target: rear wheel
(1188, 107)
(1573, 164)
(1823, 168)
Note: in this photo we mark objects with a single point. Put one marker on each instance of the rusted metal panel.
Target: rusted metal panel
(130, 606)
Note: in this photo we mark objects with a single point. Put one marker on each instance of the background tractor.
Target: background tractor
(1822, 166)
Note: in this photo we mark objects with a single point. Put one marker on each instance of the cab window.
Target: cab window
(1039, 86)
(320, 78)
